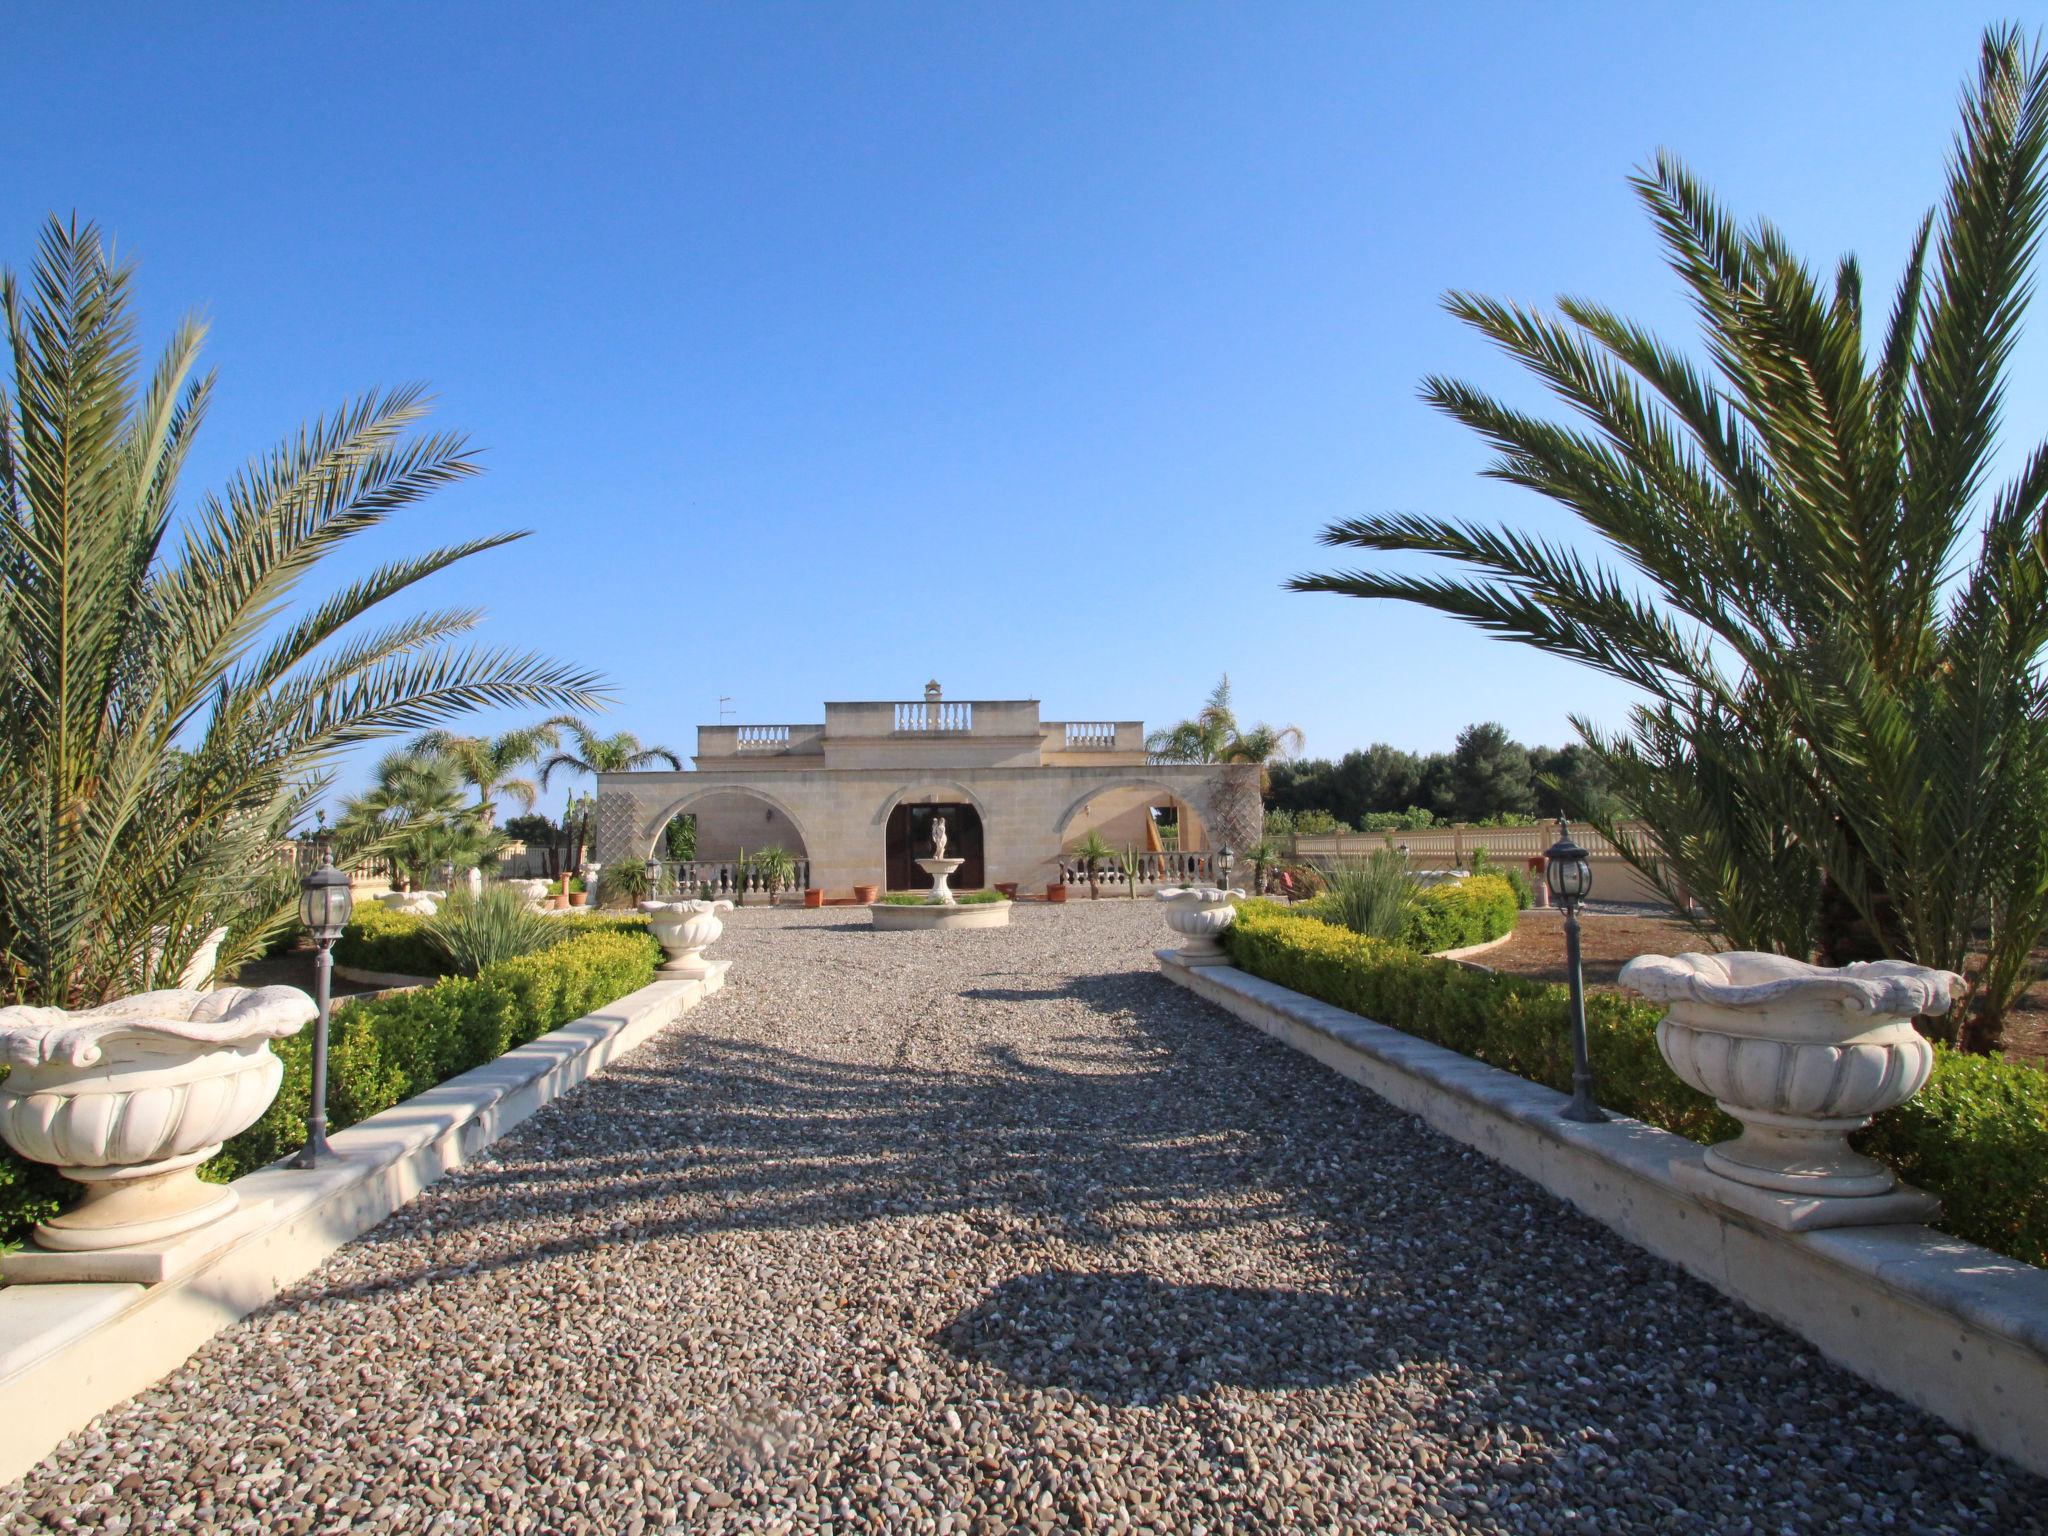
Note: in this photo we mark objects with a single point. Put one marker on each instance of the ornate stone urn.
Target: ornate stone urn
(1199, 914)
(130, 1098)
(684, 930)
(412, 903)
(1802, 1055)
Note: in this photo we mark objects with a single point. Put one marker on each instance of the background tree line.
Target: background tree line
(1486, 776)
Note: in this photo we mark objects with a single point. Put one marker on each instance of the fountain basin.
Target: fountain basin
(892, 917)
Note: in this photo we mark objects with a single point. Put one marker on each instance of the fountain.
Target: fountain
(939, 867)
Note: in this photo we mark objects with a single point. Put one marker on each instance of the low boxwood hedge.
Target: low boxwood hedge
(395, 943)
(1976, 1135)
(384, 1050)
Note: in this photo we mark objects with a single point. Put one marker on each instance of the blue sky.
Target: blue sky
(769, 316)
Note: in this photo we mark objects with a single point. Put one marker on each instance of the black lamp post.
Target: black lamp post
(1570, 876)
(1225, 861)
(325, 902)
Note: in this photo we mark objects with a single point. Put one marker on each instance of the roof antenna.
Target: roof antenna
(724, 707)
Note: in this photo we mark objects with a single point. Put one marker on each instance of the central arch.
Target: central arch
(651, 833)
(1152, 787)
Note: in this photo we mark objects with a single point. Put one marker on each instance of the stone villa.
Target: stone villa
(856, 794)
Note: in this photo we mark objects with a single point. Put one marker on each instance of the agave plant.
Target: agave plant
(163, 718)
(1846, 736)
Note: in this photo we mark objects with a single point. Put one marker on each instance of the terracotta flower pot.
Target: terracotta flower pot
(577, 898)
(1008, 888)
(865, 894)
(814, 897)
(559, 902)
(1056, 892)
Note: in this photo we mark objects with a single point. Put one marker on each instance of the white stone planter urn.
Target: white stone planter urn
(684, 930)
(131, 1098)
(1802, 1055)
(1199, 914)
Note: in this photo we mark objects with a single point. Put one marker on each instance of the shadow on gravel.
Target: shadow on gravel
(1133, 1339)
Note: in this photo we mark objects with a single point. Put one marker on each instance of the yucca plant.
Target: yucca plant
(163, 718)
(1844, 742)
(496, 924)
(1372, 898)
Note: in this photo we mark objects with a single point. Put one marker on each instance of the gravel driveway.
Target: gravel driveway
(999, 1231)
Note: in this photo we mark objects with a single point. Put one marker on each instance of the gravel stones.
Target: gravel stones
(988, 1232)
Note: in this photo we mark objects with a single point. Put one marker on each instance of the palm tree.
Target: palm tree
(595, 754)
(160, 723)
(1213, 736)
(1093, 852)
(490, 764)
(418, 815)
(1837, 691)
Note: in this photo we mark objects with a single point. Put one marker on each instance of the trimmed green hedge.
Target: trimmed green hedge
(1976, 1135)
(1458, 913)
(397, 944)
(383, 1050)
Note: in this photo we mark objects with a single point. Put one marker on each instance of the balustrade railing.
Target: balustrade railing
(1191, 868)
(724, 879)
(1090, 736)
(924, 715)
(763, 738)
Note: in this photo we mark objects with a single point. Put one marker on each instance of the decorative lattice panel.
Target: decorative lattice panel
(1237, 814)
(616, 835)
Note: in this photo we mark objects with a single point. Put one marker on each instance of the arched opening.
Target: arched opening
(738, 843)
(910, 836)
(1158, 837)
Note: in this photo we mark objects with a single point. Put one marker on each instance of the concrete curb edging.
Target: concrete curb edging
(1470, 950)
(69, 1352)
(392, 979)
(1952, 1328)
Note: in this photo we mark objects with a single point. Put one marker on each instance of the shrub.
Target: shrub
(1457, 913)
(381, 940)
(1372, 898)
(473, 932)
(622, 884)
(1483, 863)
(1976, 1135)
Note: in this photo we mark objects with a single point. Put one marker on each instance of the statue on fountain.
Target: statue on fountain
(939, 867)
(938, 837)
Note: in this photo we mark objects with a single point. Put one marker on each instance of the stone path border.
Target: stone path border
(1953, 1328)
(70, 1351)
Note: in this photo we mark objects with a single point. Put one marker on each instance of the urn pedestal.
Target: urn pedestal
(684, 930)
(941, 870)
(130, 1098)
(1803, 1055)
(1199, 914)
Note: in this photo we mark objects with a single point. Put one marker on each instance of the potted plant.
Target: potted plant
(1008, 888)
(577, 895)
(814, 896)
(1056, 892)
(866, 894)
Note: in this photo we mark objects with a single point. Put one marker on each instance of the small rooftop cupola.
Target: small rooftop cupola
(931, 691)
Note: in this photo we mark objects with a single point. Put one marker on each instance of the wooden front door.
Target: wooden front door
(910, 839)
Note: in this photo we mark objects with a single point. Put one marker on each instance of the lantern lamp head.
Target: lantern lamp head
(1225, 858)
(1569, 870)
(653, 873)
(325, 902)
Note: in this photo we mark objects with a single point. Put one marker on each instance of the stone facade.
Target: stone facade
(827, 791)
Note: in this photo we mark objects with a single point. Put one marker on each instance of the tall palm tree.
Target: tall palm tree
(1846, 712)
(594, 754)
(1214, 736)
(490, 764)
(161, 719)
